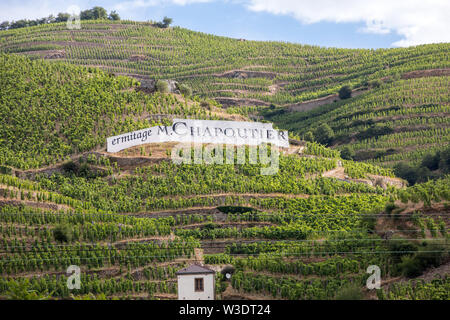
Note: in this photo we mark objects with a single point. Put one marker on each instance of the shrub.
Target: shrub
(162, 86)
(410, 267)
(5, 170)
(210, 226)
(70, 167)
(63, 233)
(185, 90)
(324, 134)
(345, 92)
(369, 221)
(374, 83)
(390, 207)
(405, 171)
(444, 163)
(431, 161)
(235, 209)
(380, 183)
(429, 256)
(274, 112)
(399, 249)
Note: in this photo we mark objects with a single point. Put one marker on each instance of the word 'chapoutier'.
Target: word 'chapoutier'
(202, 131)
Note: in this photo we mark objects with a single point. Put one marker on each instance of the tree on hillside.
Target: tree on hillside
(113, 15)
(19, 24)
(94, 14)
(345, 92)
(324, 134)
(62, 17)
(86, 15)
(91, 14)
(4, 25)
(405, 171)
(431, 161)
(432, 166)
(99, 13)
(167, 22)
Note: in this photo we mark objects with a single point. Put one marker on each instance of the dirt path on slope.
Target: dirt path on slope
(312, 104)
(426, 73)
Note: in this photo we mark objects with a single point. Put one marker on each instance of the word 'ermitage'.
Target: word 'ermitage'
(198, 132)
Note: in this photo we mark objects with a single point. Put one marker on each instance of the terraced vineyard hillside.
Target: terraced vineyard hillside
(131, 219)
(400, 121)
(51, 111)
(255, 75)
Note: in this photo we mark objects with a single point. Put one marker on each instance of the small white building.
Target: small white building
(196, 282)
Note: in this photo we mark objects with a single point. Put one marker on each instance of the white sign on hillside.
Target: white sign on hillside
(202, 131)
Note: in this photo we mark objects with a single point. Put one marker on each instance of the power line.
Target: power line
(230, 254)
(310, 246)
(134, 215)
(317, 232)
(254, 241)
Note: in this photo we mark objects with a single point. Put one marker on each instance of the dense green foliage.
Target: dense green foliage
(436, 289)
(432, 166)
(91, 14)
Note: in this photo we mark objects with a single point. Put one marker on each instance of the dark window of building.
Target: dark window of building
(199, 284)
